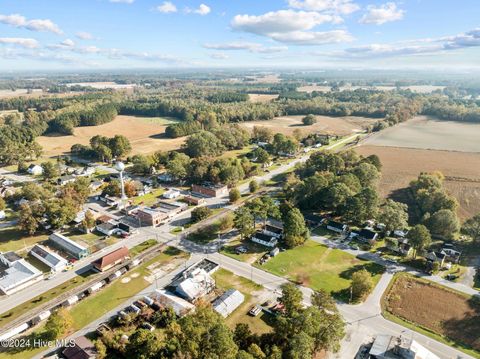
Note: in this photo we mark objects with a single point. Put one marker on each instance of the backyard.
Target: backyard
(254, 294)
(319, 267)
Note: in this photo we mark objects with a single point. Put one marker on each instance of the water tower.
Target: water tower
(120, 167)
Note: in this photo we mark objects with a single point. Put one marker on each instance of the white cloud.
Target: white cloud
(379, 15)
(219, 56)
(248, 46)
(343, 7)
(122, 1)
(167, 7)
(20, 21)
(83, 35)
(414, 47)
(292, 27)
(203, 10)
(20, 41)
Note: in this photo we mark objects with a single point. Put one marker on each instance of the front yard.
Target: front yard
(319, 267)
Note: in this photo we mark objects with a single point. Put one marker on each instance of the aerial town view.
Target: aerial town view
(213, 179)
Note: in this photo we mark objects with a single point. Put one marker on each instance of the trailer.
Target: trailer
(41, 317)
(134, 263)
(14, 332)
(70, 301)
(95, 287)
(114, 276)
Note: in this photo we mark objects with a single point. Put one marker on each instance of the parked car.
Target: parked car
(240, 250)
(255, 310)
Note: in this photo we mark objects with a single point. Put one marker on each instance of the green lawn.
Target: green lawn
(13, 239)
(150, 198)
(115, 294)
(164, 121)
(254, 251)
(324, 232)
(43, 298)
(139, 248)
(319, 267)
(227, 280)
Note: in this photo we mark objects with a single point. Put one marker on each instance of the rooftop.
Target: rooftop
(13, 274)
(112, 257)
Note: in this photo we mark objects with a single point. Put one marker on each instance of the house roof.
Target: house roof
(51, 257)
(273, 229)
(112, 257)
(367, 234)
(228, 302)
(83, 349)
(338, 225)
(196, 284)
(16, 273)
(67, 243)
(106, 226)
(264, 237)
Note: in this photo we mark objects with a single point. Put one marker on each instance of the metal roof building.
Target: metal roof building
(180, 306)
(51, 259)
(16, 273)
(69, 246)
(228, 302)
(198, 284)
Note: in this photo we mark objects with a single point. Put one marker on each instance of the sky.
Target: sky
(143, 34)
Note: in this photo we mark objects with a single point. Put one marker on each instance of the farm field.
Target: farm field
(319, 267)
(20, 92)
(254, 294)
(402, 165)
(145, 134)
(253, 97)
(325, 124)
(452, 316)
(429, 133)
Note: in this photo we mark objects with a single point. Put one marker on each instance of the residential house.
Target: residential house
(337, 227)
(109, 200)
(367, 235)
(439, 257)
(165, 177)
(67, 245)
(228, 302)
(107, 228)
(273, 231)
(313, 220)
(141, 189)
(264, 239)
(151, 217)
(35, 170)
(171, 193)
(402, 246)
(54, 261)
(16, 273)
(210, 189)
(82, 349)
(452, 254)
(63, 180)
(111, 259)
(95, 185)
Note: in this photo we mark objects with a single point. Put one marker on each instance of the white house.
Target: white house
(337, 227)
(2, 215)
(171, 193)
(35, 170)
(264, 239)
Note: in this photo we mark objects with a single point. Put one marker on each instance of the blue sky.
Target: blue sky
(70, 34)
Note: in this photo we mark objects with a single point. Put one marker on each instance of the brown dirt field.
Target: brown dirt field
(435, 308)
(145, 136)
(325, 124)
(402, 165)
(255, 98)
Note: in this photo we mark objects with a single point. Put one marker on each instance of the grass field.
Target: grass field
(142, 247)
(319, 267)
(13, 239)
(429, 133)
(402, 165)
(121, 290)
(325, 124)
(253, 97)
(434, 310)
(146, 135)
(149, 198)
(254, 251)
(253, 293)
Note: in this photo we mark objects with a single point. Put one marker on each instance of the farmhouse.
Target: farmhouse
(337, 227)
(48, 257)
(264, 239)
(180, 306)
(151, 217)
(35, 170)
(389, 347)
(16, 273)
(211, 190)
(69, 246)
(228, 302)
(198, 284)
(111, 259)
